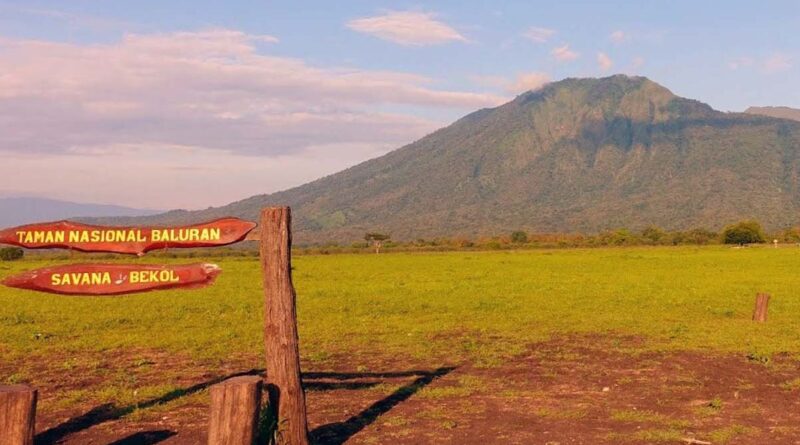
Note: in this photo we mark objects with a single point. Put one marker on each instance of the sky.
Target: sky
(189, 104)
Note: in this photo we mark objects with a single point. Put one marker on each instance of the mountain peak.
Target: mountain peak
(618, 83)
(619, 79)
(619, 96)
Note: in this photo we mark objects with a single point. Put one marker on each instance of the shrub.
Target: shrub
(11, 253)
(463, 242)
(791, 235)
(618, 237)
(654, 235)
(519, 237)
(743, 232)
(701, 236)
(494, 245)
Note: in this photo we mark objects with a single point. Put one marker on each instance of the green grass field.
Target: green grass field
(425, 310)
(437, 306)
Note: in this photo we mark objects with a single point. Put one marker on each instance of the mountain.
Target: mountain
(779, 112)
(18, 211)
(576, 155)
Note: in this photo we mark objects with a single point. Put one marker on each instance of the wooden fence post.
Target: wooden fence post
(17, 414)
(760, 311)
(235, 407)
(280, 327)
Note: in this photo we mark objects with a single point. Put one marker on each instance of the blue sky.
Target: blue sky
(197, 103)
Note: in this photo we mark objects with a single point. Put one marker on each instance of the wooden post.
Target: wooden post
(760, 311)
(235, 407)
(280, 327)
(17, 414)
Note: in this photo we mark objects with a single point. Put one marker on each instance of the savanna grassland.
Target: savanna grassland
(612, 345)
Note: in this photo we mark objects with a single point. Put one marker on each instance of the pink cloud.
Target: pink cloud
(207, 88)
(528, 81)
(407, 28)
(564, 54)
(604, 62)
(538, 35)
(519, 84)
(777, 62)
(157, 97)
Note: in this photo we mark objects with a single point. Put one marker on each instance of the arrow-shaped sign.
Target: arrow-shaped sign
(132, 240)
(113, 279)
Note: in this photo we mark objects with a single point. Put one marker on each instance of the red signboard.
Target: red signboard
(113, 279)
(131, 240)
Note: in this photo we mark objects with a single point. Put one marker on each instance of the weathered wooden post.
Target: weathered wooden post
(17, 414)
(280, 327)
(235, 408)
(760, 311)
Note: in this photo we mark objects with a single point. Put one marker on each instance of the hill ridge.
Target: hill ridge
(779, 112)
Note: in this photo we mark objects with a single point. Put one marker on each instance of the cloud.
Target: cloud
(263, 38)
(407, 28)
(564, 54)
(197, 99)
(521, 83)
(777, 62)
(209, 88)
(538, 35)
(774, 63)
(604, 62)
(619, 37)
(528, 81)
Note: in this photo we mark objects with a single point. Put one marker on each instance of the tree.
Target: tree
(377, 240)
(11, 253)
(791, 235)
(654, 235)
(519, 237)
(618, 237)
(743, 232)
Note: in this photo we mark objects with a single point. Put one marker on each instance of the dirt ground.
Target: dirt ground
(576, 390)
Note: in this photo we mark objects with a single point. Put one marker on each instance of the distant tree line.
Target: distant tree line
(741, 233)
(11, 253)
